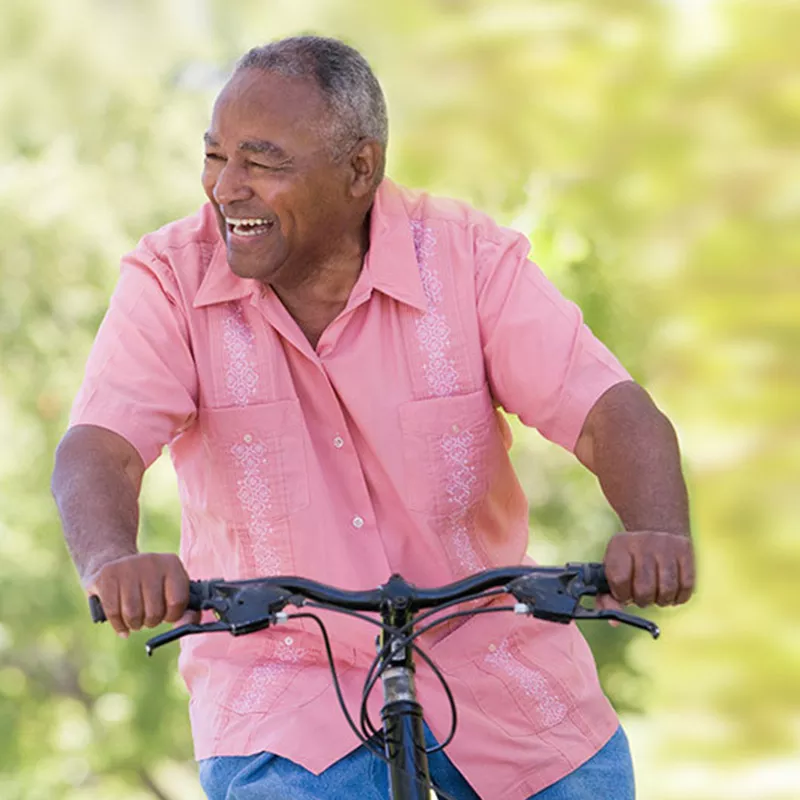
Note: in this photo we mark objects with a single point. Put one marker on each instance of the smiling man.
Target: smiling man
(324, 353)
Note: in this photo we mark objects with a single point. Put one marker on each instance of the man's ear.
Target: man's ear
(366, 159)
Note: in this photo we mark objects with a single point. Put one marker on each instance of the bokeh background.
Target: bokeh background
(647, 147)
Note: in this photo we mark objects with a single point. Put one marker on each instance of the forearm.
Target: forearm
(96, 490)
(634, 454)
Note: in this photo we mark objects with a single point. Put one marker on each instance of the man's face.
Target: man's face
(280, 198)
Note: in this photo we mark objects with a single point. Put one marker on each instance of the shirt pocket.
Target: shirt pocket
(285, 667)
(256, 461)
(517, 691)
(450, 446)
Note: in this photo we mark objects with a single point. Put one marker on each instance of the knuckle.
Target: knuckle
(116, 621)
(174, 611)
(133, 615)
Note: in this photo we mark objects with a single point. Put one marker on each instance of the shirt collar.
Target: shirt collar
(390, 262)
(391, 259)
(219, 284)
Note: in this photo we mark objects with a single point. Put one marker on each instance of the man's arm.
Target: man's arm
(96, 482)
(632, 448)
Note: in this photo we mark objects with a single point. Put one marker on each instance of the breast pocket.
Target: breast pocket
(256, 461)
(450, 447)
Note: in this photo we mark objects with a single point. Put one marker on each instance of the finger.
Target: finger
(618, 564)
(132, 604)
(605, 602)
(668, 581)
(109, 598)
(176, 592)
(155, 606)
(644, 579)
(687, 575)
(188, 618)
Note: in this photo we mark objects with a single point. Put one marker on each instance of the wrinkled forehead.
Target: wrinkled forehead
(269, 105)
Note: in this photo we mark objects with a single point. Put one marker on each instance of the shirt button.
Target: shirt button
(338, 442)
(358, 522)
(455, 429)
(492, 648)
(248, 438)
(288, 640)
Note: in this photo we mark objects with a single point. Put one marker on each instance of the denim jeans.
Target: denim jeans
(608, 775)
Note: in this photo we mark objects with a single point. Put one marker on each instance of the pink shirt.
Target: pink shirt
(378, 452)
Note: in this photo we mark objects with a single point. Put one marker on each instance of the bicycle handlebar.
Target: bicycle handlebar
(206, 594)
(246, 606)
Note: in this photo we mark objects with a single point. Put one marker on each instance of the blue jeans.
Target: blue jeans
(608, 775)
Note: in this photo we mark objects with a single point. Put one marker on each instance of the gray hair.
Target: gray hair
(353, 94)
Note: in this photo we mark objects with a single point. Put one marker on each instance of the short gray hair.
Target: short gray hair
(353, 94)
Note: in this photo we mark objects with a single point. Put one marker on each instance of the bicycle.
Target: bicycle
(246, 606)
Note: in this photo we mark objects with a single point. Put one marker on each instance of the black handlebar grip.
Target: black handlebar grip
(195, 602)
(598, 578)
(96, 609)
(196, 595)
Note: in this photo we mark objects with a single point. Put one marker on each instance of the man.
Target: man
(324, 353)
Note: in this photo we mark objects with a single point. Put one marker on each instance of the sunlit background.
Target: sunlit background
(648, 148)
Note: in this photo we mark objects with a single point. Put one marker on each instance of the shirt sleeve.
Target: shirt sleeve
(543, 362)
(141, 380)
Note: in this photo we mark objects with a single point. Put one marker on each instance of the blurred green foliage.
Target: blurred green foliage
(648, 147)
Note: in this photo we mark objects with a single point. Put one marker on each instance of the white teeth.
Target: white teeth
(242, 232)
(242, 222)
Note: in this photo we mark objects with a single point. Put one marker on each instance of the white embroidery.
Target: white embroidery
(433, 334)
(531, 681)
(460, 481)
(254, 494)
(241, 377)
(433, 331)
(259, 680)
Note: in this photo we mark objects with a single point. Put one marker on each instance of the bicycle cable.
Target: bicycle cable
(347, 611)
(431, 611)
(399, 631)
(430, 785)
(365, 721)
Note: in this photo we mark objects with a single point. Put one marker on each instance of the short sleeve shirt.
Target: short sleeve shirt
(380, 450)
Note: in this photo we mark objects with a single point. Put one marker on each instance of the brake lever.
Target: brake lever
(619, 616)
(184, 630)
(557, 598)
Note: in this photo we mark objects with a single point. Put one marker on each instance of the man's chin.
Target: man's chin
(248, 272)
(249, 268)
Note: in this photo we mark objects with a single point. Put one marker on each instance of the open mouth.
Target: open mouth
(248, 227)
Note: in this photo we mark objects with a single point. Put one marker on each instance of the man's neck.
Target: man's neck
(322, 294)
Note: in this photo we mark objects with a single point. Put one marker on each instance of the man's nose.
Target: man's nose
(231, 185)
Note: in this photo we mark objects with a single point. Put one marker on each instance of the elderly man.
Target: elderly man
(324, 353)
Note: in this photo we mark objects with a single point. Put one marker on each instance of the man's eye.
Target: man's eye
(214, 157)
(259, 165)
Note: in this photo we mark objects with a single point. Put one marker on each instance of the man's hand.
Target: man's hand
(646, 567)
(142, 590)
